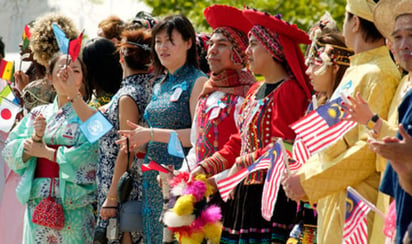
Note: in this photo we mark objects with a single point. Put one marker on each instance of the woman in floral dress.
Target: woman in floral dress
(128, 103)
(47, 146)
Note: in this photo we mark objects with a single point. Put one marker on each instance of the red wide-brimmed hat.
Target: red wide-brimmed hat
(289, 37)
(276, 25)
(226, 16)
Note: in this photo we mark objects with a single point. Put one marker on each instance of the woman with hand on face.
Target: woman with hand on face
(54, 158)
(175, 93)
(264, 116)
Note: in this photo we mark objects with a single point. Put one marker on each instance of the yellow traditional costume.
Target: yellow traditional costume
(349, 162)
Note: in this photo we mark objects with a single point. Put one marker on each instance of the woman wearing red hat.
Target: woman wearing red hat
(264, 116)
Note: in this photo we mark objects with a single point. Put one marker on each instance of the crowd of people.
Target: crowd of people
(155, 79)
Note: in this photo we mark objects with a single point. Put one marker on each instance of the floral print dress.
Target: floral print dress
(139, 89)
(75, 188)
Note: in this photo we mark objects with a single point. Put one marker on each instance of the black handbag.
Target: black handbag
(125, 184)
(130, 211)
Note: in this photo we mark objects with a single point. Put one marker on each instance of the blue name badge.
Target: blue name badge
(95, 127)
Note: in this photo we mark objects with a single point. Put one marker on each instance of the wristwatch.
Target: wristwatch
(372, 121)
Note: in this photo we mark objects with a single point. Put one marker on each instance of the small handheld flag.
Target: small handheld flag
(7, 92)
(226, 185)
(273, 177)
(8, 112)
(355, 229)
(75, 46)
(26, 37)
(62, 40)
(154, 166)
(323, 126)
(6, 69)
(95, 127)
(174, 146)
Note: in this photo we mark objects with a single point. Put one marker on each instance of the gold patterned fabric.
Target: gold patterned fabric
(350, 162)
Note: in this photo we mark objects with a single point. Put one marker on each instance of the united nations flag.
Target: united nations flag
(95, 127)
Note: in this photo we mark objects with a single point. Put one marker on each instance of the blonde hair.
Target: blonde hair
(43, 42)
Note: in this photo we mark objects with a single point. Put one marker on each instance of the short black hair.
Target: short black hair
(2, 46)
(369, 31)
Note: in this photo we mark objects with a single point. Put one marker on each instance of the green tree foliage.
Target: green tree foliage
(303, 13)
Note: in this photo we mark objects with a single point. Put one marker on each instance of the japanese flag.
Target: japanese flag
(8, 112)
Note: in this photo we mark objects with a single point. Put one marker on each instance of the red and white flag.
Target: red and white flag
(8, 112)
(154, 166)
(355, 229)
(226, 185)
(272, 181)
(300, 152)
(323, 126)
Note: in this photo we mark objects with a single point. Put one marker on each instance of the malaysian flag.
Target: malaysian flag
(323, 126)
(355, 229)
(272, 181)
(226, 185)
(300, 152)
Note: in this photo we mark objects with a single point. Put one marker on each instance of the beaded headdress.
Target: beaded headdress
(326, 54)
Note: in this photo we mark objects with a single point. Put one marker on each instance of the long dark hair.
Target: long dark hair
(181, 24)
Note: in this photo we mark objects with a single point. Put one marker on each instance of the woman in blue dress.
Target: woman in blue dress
(175, 94)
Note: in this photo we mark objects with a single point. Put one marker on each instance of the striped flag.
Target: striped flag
(6, 69)
(355, 229)
(300, 152)
(272, 181)
(8, 112)
(26, 37)
(226, 185)
(322, 127)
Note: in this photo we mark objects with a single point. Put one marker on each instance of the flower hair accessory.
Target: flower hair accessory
(189, 217)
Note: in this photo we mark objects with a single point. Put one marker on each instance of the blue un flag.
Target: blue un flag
(95, 127)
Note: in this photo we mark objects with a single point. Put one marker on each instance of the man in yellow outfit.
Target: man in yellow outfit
(349, 162)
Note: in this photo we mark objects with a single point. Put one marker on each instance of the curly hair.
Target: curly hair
(112, 27)
(43, 42)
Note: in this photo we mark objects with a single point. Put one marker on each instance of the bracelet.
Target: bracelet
(151, 133)
(73, 99)
(204, 168)
(110, 198)
(34, 138)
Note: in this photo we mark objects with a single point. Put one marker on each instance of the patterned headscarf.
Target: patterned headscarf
(239, 43)
(270, 41)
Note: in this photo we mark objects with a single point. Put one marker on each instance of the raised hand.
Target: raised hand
(358, 110)
(21, 79)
